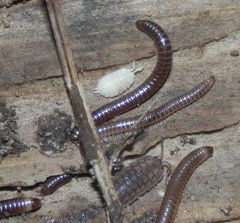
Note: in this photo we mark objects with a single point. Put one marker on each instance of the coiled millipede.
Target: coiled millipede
(153, 82)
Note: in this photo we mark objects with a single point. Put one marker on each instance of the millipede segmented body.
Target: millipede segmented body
(158, 114)
(17, 206)
(52, 183)
(178, 181)
(139, 177)
(151, 85)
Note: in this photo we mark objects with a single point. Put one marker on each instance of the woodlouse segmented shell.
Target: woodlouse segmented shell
(139, 177)
(117, 82)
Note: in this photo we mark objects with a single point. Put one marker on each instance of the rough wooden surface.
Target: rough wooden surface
(213, 187)
(103, 36)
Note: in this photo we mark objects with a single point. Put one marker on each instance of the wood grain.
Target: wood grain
(104, 38)
(103, 34)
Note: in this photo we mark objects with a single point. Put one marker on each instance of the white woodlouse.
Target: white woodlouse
(117, 82)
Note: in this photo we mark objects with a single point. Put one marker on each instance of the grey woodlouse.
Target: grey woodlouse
(139, 177)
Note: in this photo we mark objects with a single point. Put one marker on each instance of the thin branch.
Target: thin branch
(90, 142)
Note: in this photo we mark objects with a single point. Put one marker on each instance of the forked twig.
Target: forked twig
(89, 138)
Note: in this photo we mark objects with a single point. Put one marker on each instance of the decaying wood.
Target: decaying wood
(31, 164)
(104, 38)
(8, 3)
(213, 186)
(90, 143)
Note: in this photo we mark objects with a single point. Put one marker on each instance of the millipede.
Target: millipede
(54, 182)
(178, 181)
(17, 206)
(139, 177)
(118, 128)
(158, 114)
(153, 82)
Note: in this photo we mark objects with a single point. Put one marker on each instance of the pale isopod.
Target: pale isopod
(117, 82)
(151, 85)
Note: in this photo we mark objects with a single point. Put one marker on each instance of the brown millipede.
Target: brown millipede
(54, 182)
(158, 114)
(177, 183)
(17, 206)
(151, 85)
(140, 176)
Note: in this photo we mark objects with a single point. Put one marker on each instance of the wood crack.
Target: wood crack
(9, 3)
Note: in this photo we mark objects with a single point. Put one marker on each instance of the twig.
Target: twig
(89, 138)
(131, 137)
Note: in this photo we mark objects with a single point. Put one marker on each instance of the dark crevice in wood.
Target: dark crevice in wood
(9, 3)
(227, 220)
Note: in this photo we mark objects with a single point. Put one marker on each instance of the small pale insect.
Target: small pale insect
(117, 82)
